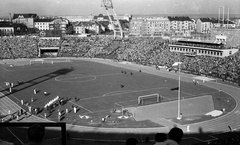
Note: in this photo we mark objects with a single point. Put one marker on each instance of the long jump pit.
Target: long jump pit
(162, 113)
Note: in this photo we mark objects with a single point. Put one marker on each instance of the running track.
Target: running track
(219, 124)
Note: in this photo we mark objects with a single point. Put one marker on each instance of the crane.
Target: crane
(114, 21)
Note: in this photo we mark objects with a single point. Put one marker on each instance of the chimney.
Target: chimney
(219, 15)
(10, 17)
(228, 18)
(223, 16)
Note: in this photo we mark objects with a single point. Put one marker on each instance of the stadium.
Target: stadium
(107, 90)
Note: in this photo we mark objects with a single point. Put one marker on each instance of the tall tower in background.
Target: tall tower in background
(117, 28)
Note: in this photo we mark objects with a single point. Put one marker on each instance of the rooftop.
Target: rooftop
(43, 20)
(15, 16)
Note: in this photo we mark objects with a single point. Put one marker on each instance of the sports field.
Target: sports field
(100, 90)
(96, 89)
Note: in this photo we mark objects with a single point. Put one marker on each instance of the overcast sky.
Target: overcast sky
(87, 7)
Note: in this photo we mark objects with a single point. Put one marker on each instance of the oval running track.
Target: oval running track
(219, 124)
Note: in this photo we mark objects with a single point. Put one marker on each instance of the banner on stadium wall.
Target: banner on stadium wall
(50, 33)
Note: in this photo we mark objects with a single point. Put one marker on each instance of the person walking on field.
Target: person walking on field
(34, 91)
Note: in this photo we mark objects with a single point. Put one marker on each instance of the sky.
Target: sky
(146, 7)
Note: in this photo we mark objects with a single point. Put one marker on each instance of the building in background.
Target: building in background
(87, 28)
(6, 29)
(126, 17)
(206, 25)
(52, 27)
(78, 18)
(26, 19)
(181, 25)
(42, 24)
(102, 17)
(59, 24)
(232, 36)
(136, 26)
(206, 48)
(228, 24)
(149, 26)
(158, 26)
(12, 29)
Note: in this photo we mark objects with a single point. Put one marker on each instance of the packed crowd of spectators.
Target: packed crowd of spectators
(49, 42)
(145, 51)
(18, 47)
(225, 68)
(85, 46)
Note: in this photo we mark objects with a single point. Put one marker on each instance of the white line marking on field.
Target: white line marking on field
(129, 91)
(5, 69)
(119, 105)
(81, 106)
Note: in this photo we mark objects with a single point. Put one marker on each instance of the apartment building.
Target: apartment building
(6, 29)
(157, 26)
(149, 26)
(86, 27)
(205, 25)
(181, 25)
(42, 24)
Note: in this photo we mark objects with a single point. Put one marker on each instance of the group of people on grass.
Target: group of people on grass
(30, 109)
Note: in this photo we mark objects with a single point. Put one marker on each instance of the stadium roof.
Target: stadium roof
(199, 42)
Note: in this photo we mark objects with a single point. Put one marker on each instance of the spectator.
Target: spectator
(131, 141)
(35, 134)
(160, 138)
(145, 51)
(174, 136)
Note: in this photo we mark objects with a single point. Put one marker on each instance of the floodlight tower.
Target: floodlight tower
(117, 28)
